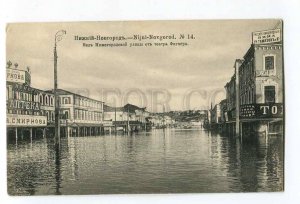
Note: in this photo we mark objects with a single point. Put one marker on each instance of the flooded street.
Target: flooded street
(159, 161)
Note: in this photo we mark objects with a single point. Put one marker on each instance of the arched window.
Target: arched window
(66, 100)
(41, 99)
(48, 115)
(51, 100)
(46, 100)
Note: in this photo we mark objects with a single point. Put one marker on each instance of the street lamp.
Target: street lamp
(58, 37)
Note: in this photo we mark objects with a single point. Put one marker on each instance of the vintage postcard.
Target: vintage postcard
(135, 107)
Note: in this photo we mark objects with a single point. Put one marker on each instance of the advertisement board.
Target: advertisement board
(14, 75)
(274, 110)
(266, 37)
(25, 105)
(25, 120)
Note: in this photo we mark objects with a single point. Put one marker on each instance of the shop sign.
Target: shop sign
(14, 75)
(266, 37)
(274, 110)
(25, 120)
(26, 105)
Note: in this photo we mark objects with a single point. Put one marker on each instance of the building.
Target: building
(223, 110)
(261, 85)
(215, 115)
(232, 102)
(79, 115)
(29, 111)
(127, 117)
(156, 120)
(255, 92)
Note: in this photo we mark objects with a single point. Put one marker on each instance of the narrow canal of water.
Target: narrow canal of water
(160, 161)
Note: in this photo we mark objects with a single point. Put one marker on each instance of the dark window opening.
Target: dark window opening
(269, 62)
(269, 94)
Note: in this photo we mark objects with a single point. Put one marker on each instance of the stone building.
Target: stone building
(29, 111)
(79, 115)
(255, 92)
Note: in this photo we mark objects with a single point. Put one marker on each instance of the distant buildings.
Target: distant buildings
(128, 117)
(215, 116)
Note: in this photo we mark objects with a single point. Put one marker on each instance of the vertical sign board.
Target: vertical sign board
(266, 37)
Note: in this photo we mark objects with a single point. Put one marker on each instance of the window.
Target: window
(46, 100)
(269, 94)
(76, 114)
(41, 99)
(80, 115)
(269, 63)
(67, 100)
(51, 101)
(67, 115)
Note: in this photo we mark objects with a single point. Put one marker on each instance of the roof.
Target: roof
(107, 108)
(127, 108)
(65, 92)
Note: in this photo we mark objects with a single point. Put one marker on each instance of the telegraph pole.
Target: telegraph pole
(115, 120)
(58, 37)
(237, 65)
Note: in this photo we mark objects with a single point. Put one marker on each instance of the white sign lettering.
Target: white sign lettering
(266, 37)
(14, 75)
(25, 120)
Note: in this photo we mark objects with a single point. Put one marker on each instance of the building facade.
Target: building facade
(29, 111)
(128, 117)
(255, 92)
(79, 115)
(261, 88)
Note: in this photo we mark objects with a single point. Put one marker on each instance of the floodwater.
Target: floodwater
(159, 161)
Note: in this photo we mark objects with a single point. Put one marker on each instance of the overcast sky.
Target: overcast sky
(206, 64)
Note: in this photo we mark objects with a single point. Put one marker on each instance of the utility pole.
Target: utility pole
(115, 120)
(58, 37)
(128, 126)
(237, 65)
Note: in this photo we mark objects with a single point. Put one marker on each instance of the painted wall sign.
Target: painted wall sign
(25, 120)
(261, 110)
(266, 37)
(264, 73)
(26, 105)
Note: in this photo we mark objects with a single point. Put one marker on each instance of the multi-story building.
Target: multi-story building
(261, 85)
(29, 111)
(79, 115)
(255, 92)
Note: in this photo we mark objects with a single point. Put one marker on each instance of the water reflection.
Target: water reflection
(160, 161)
(57, 169)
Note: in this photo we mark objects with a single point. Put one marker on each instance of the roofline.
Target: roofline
(69, 92)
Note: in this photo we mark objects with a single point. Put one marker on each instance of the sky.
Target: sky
(159, 78)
